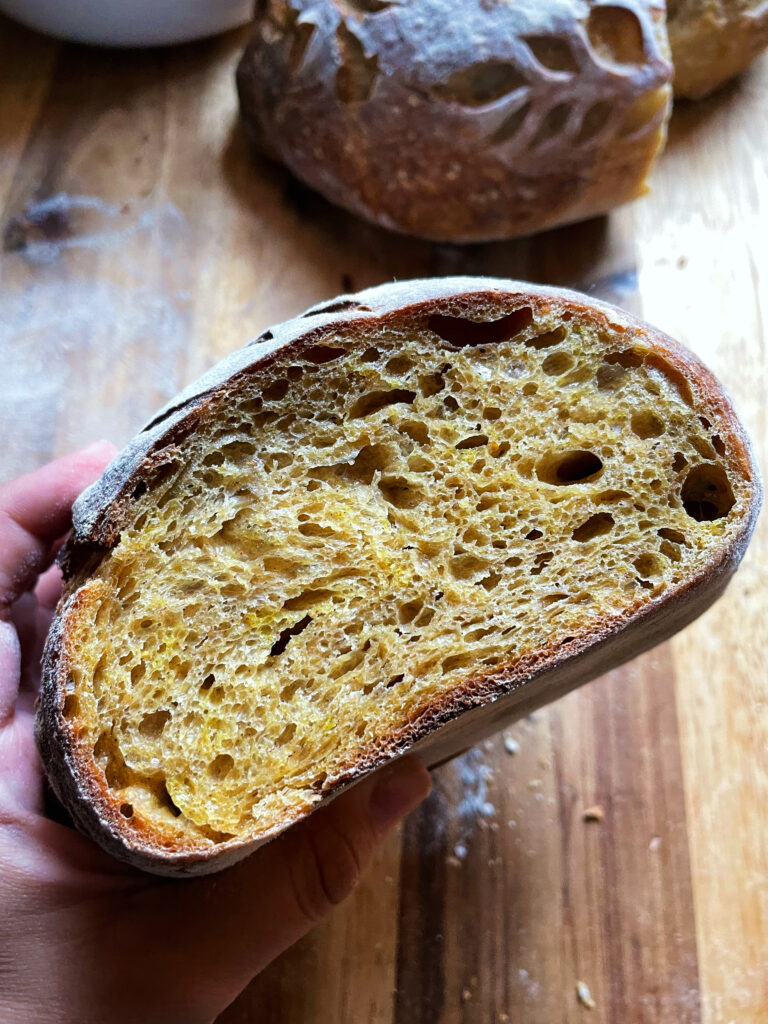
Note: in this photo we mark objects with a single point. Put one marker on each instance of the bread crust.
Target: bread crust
(483, 703)
(714, 40)
(466, 122)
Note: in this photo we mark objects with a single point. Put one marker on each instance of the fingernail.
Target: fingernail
(399, 790)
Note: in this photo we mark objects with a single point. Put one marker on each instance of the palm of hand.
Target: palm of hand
(84, 938)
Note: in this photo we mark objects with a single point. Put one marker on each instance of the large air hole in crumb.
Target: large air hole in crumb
(648, 566)
(153, 723)
(164, 800)
(547, 340)
(476, 441)
(703, 447)
(465, 567)
(645, 424)
(609, 377)
(285, 636)
(629, 358)
(276, 391)
(706, 493)
(108, 756)
(399, 365)
(416, 430)
(286, 735)
(571, 467)
(462, 333)
(307, 599)
(558, 363)
(541, 561)
(400, 492)
(596, 526)
(374, 401)
(419, 464)
(674, 535)
(408, 611)
(126, 810)
(71, 706)
(490, 582)
(431, 384)
(221, 766)
(457, 661)
(315, 530)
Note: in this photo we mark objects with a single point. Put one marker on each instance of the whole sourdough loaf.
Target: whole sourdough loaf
(713, 40)
(461, 121)
(397, 522)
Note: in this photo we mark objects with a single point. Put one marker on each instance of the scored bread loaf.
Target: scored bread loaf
(461, 122)
(397, 522)
(713, 40)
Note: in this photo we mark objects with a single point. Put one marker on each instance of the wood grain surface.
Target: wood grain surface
(141, 242)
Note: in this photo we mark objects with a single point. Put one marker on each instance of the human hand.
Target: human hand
(85, 939)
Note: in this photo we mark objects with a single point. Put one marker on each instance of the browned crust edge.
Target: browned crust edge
(482, 704)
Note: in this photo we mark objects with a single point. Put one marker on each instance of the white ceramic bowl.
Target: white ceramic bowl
(129, 22)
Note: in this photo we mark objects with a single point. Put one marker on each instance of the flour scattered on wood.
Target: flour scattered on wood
(61, 315)
(531, 988)
(594, 813)
(474, 774)
(511, 745)
(584, 995)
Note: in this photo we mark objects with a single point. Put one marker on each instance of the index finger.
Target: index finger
(35, 510)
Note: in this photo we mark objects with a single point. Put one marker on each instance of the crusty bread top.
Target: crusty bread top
(405, 503)
(461, 122)
(713, 40)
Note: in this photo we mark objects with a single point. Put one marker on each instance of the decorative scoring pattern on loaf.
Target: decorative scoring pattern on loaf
(490, 121)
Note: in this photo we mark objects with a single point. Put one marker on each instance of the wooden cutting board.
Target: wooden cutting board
(140, 244)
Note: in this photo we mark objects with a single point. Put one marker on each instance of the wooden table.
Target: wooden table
(141, 244)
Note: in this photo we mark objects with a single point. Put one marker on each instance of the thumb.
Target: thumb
(252, 912)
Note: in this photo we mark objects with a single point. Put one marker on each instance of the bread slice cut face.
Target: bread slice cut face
(399, 521)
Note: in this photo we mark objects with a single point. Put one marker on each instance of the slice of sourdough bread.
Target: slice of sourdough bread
(397, 522)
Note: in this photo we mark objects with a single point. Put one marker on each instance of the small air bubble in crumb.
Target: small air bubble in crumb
(654, 844)
(594, 813)
(584, 995)
(511, 745)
